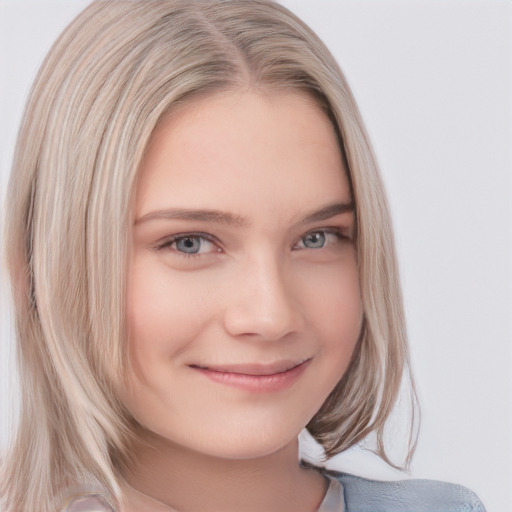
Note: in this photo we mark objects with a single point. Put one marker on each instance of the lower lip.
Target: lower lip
(257, 383)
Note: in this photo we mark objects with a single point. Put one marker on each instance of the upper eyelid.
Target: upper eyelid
(338, 230)
(167, 240)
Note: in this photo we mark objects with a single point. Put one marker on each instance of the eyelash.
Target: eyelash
(166, 243)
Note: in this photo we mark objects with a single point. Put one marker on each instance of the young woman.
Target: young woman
(203, 265)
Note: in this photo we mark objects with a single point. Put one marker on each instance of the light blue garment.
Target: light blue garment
(362, 495)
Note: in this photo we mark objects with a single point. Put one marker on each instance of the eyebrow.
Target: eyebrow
(216, 216)
(328, 212)
(220, 217)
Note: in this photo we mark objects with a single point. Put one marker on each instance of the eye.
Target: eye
(320, 238)
(189, 244)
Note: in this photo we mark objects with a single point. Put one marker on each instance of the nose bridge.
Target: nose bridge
(264, 303)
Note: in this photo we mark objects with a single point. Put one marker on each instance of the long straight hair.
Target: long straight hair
(116, 70)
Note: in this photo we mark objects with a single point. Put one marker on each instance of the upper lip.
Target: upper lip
(256, 369)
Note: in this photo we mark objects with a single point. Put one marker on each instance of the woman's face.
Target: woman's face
(243, 296)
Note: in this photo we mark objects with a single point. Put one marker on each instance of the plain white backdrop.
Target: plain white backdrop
(433, 79)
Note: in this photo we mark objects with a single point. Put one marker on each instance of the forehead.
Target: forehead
(235, 147)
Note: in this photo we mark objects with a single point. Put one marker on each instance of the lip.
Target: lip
(257, 378)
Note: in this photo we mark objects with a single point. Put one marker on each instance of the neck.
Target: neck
(186, 480)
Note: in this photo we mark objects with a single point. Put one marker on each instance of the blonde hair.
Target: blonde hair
(108, 80)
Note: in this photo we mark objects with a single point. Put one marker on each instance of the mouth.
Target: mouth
(256, 377)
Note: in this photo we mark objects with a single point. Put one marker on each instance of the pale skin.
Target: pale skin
(243, 302)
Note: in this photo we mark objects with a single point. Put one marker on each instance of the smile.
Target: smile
(256, 378)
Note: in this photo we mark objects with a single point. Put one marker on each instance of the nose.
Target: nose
(264, 303)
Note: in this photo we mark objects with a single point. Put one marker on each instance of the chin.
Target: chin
(245, 449)
(241, 443)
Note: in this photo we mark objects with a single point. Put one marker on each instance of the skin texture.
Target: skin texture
(220, 304)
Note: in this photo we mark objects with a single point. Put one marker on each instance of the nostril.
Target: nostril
(262, 321)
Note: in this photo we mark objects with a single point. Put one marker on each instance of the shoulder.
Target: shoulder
(363, 495)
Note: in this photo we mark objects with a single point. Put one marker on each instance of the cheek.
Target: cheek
(164, 314)
(335, 310)
(333, 297)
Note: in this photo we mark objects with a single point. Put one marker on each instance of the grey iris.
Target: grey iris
(315, 240)
(189, 244)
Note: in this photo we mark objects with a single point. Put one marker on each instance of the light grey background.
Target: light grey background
(433, 79)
